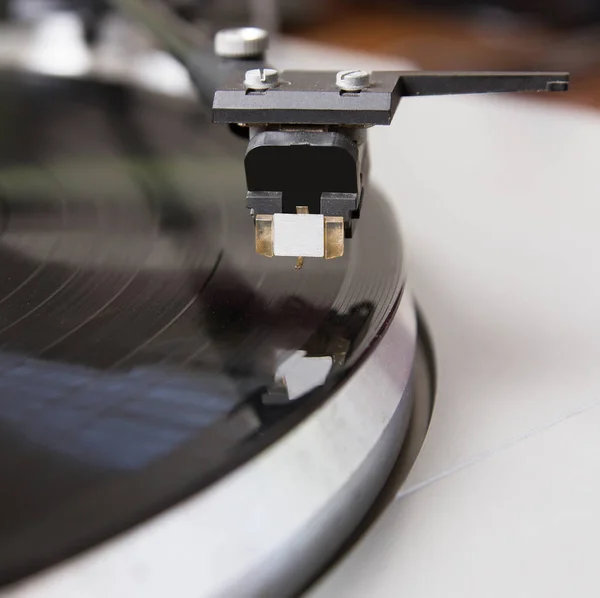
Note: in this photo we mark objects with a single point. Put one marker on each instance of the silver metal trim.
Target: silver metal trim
(267, 527)
(241, 42)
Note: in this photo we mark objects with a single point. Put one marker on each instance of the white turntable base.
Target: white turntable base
(499, 199)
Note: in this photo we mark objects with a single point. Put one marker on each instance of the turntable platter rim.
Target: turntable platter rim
(334, 478)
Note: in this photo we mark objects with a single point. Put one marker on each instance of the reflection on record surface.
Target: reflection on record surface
(141, 338)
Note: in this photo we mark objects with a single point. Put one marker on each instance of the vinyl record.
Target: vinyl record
(145, 349)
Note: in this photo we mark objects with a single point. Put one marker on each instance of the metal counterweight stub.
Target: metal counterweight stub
(241, 42)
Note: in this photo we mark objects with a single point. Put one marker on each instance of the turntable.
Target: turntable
(180, 413)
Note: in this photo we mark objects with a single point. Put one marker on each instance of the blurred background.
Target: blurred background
(434, 34)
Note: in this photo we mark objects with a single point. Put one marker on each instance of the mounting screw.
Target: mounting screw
(241, 42)
(261, 78)
(353, 80)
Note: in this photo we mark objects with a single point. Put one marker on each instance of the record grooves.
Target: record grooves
(140, 335)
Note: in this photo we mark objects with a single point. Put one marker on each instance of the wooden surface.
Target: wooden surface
(441, 41)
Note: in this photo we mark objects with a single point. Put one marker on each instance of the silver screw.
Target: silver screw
(241, 42)
(353, 80)
(261, 78)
